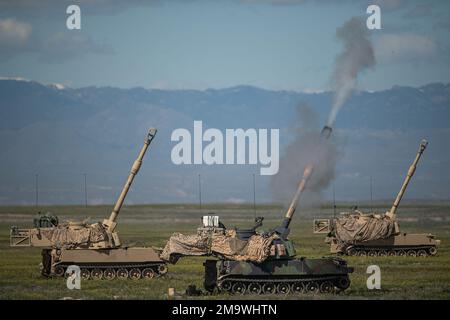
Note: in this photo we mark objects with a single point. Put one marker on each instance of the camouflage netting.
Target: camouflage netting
(361, 228)
(66, 236)
(221, 243)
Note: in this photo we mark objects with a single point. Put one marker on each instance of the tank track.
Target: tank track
(284, 286)
(419, 251)
(117, 271)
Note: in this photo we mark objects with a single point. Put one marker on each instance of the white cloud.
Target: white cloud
(50, 7)
(14, 78)
(64, 46)
(235, 200)
(420, 11)
(350, 175)
(404, 47)
(14, 33)
(390, 4)
(16, 37)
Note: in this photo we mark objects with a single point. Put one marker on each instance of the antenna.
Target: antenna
(85, 190)
(200, 191)
(334, 201)
(36, 180)
(254, 197)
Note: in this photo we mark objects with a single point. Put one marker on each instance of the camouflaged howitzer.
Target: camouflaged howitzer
(96, 248)
(281, 272)
(359, 234)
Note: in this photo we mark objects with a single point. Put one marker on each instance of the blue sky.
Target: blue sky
(288, 44)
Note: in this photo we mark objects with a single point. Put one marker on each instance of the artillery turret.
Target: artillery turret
(96, 248)
(260, 263)
(356, 233)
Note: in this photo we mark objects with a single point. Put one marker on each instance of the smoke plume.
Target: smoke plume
(357, 56)
(307, 147)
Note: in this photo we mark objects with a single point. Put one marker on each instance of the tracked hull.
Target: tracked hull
(109, 264)
(290, 276)
(397, 245)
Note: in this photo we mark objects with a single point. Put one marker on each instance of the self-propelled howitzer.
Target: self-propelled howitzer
(281, 272)
(356, 233)
(96, 248)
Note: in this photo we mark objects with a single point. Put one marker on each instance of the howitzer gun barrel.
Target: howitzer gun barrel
(111, 222)
(284, 228)
(391, 214)
(301, 187)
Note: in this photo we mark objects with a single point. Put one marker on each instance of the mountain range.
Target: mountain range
(62, 134)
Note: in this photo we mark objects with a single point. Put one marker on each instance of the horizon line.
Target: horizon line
(59, 86)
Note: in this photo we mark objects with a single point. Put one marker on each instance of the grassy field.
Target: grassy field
(402, 277)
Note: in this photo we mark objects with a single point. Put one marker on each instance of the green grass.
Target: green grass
(402, 278)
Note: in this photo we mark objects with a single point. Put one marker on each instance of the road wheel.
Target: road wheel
(59, 271)
(298, 287)
(135, 274)
(122, 273)
(162, 269)
(343, 283)
(96, 274)
(326, 287)
(85, 274)
(352, 252)
(312, 287)
(225, 285)
(238, 288)
(362, 253)
(372, 253)
(269, 288)
(382, 253)
(432, 251)
(254, 288)
(391, 253)
(422, 253)
(283, 288)
(148, 273)
(401, 253)
(109, 274)
(411, 253)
